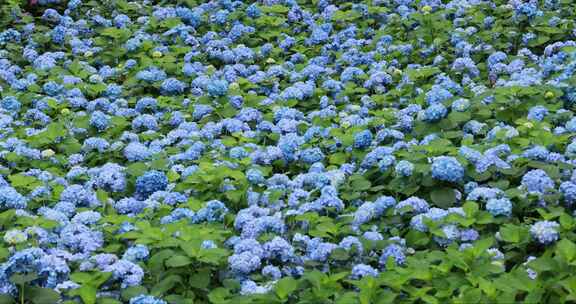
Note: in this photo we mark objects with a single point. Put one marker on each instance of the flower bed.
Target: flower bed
(382, 151)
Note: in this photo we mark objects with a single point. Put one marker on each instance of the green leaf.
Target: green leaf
(86, 292)
(543, 264)
(200, 279)
(166, 284)
(566, 221)
(214, 256)
(385, 297)
(285, 287)
(178, 299)
(39, 295)
(21, 180)
(116, 33)
(172, 176)
(347, 298)
(339, 254)
(133, 291)
(4, 253)
(481, 246)
(20, 279)
(358, 182)
(6, 299)
(235, 196)
(472, 295)
(219, 295)
(178, 261)
(458, 117)
(192, 248)
(136, 169)
(534, 296)
(52, 132)
(156, 262)
(170, 22)
(81, 277)
(566, 250)
(338, 158)
(100, 278)
(417, 238)
(443, 197)
(424, 72)
(108, 301)
(513, 234)
(539, 40)
(102, 196)
(159, 164)
(470, 208)
(275, 9)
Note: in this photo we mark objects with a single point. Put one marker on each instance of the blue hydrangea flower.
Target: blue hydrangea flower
(545, 232)
(447, 168)
(413, 204)
(537, 181)
(128, 273)
(361, 270)
(537, 113)
(136, 253)
(278, 249)
(99, 120)
(451, 233)
(312, 155)
(150, 182)
(320, 252)
(172, 86)
(217, 88)
(208, 244)
(362, 139)
(144, 299)
(395, 252)
(272, 272)
(435, 112)
(501, 206)
(10, 104)
(11, 199)
(404, 168)
(136, 151)
(244, 263)
(568, 190)
(214, 211)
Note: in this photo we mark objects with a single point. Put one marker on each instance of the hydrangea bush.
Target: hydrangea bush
(287, 151)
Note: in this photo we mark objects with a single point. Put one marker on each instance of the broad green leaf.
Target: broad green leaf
(178, 261)
(566, 249)
(443, 197)
(285, 287)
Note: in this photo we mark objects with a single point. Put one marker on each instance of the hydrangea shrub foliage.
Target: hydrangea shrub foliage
(287, 151)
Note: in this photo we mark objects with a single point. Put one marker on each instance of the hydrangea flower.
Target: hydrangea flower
(404, 168)
(447, 168)
(537, 181)
(144, 299)
(394, 252)
(244, 263)
(362, 139)
(361, 270)
(501, 206)
(11, 199)
(150, 182)
(545, 232)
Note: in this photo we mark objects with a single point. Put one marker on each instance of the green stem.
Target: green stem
(22, 294)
